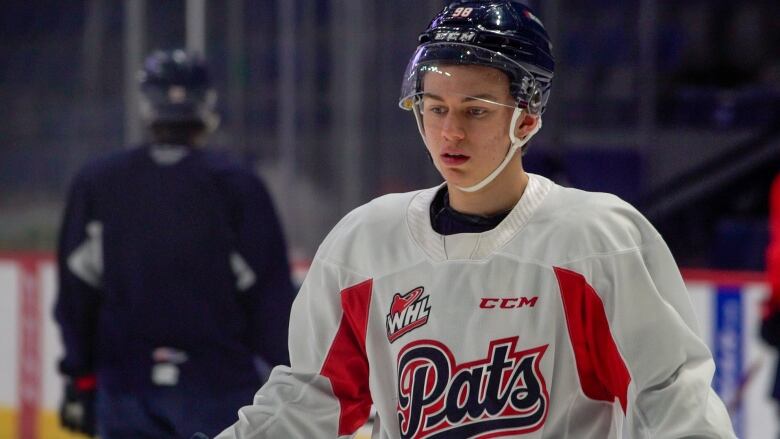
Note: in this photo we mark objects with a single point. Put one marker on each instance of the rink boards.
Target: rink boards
(727, 304)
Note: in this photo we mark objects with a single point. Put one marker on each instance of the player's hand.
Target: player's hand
(77, 412)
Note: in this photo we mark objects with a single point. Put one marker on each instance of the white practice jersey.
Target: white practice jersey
(568, 320)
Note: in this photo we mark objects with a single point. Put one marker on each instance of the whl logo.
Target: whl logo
(407, 312)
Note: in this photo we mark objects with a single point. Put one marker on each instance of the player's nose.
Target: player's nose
(452, 127)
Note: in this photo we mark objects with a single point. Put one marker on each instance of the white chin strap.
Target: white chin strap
(513, 147)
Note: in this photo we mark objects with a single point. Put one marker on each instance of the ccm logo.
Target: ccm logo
(507, 302)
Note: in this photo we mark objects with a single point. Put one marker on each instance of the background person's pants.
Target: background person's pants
(167, 413)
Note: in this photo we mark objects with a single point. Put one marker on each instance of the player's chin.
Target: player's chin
(458, 178)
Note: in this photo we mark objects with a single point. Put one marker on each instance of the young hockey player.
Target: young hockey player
(498, 304)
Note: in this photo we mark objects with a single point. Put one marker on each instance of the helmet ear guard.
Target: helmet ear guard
(535, 102)
(529, 95)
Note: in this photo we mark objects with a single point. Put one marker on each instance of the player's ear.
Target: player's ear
(526, 124)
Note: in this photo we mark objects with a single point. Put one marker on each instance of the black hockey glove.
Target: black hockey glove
(77, 412)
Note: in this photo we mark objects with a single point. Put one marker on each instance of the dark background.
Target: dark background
(673, 105)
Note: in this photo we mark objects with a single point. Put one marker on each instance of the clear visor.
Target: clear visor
(434, 59)
(473, 95)
(431, 97)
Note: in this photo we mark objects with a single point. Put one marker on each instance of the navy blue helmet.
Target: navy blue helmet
(495, 33)
(176, 87)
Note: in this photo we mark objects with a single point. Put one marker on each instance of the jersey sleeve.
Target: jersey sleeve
(661, 370)
(262, 270)
(79, 263)
(324, 392)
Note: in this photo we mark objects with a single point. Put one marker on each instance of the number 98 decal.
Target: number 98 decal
(462, 12)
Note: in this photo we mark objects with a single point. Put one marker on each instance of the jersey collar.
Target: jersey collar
(473, 246)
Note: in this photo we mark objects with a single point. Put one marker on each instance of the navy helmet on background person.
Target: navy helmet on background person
(176, 88)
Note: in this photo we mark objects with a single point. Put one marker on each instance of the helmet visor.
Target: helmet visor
(430, 57)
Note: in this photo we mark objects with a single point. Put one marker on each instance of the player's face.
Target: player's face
(466, 112)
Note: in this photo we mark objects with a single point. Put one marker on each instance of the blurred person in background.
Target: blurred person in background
(770, 325)
(497, 303)
(174, 283)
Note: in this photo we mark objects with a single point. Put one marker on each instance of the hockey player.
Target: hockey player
(173, 274)
(498, 304)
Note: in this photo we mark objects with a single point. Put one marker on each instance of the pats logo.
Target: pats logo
(503, 394)
(407, 312)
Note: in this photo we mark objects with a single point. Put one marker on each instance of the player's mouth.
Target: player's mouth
(453, 159)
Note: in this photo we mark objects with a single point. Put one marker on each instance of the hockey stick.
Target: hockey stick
(736, 402)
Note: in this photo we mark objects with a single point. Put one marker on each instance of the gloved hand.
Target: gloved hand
(77, 412)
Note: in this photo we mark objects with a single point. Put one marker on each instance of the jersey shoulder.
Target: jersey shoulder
(223, 163)
(373, 237)
(109, 165)
(584, 223)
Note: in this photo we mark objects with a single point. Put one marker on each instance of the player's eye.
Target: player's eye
(436, 109)
(477, 111)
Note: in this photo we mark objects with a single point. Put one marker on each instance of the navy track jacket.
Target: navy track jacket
(171, 254)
